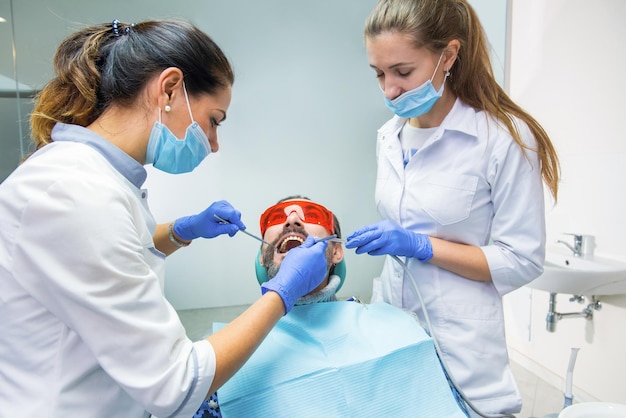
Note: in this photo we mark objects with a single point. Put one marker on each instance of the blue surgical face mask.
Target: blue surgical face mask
(420, 100)
(173, 155)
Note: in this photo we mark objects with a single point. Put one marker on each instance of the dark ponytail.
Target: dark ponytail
(111, 63)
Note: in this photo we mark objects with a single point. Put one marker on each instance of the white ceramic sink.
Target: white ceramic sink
(594, 410)
(564, 273)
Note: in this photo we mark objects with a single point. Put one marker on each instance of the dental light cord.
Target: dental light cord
(437, 348)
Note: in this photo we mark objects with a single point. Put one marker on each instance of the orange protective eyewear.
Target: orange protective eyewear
(309, 212)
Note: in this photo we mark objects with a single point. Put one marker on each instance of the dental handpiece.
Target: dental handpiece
(224, 221)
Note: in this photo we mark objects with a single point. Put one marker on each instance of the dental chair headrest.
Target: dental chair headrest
(261, 272)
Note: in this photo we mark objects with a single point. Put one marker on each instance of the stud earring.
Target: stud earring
(168, 108)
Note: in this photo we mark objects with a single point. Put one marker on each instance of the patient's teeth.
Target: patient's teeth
(289, 243)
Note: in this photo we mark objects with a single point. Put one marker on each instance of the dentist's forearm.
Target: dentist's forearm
(465, 260)
(163, 242)
(236, 342)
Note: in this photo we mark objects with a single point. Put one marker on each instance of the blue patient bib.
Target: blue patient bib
(342, 359)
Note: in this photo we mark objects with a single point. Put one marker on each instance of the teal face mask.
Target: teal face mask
(173, 155)
(420, 100)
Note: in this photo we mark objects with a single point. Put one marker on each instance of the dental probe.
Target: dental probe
(224, 221)
(332, 238)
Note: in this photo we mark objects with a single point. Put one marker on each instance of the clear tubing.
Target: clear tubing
(569, 376)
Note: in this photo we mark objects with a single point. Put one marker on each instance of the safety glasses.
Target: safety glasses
(309, 212)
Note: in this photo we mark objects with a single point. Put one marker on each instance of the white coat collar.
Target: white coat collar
(124, 163)
(461, 118)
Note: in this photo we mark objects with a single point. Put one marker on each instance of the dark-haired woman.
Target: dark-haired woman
(86, 330)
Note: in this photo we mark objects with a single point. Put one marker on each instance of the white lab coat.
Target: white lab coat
(86, 330)
(470, 183)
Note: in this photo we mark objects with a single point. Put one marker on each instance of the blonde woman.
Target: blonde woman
(459, 186)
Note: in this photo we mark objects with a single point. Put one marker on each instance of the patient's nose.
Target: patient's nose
(293, 219)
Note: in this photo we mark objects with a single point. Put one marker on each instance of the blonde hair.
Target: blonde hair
(432, 24)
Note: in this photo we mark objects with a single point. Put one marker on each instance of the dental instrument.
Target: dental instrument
(224, 221)
(331, 238)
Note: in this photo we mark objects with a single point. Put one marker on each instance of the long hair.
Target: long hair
(111, 63)
(432, 24)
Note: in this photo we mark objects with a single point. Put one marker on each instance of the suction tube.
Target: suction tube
(436, 343)
(568, 378)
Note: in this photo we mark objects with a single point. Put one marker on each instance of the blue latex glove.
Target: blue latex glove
(206, 225)
(301, 271)
(387, 237)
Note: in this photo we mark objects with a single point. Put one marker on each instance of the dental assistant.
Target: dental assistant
(86, 330)
(459, 187)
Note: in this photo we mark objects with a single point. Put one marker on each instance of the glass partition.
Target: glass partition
(15, 97)
(31, 30)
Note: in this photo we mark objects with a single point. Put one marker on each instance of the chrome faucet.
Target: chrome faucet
(577, 247)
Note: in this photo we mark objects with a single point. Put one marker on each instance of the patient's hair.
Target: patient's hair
(111, 63)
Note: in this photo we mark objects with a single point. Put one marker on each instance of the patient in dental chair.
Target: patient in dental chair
(335, 358)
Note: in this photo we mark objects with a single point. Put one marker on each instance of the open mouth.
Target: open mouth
(289, 242)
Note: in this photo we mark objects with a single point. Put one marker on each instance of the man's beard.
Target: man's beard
(268, 253)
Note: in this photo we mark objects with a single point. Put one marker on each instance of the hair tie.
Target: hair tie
(115, 28)
(115, 25)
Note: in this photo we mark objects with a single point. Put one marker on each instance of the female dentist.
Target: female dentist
(459, 186)
(86, 330)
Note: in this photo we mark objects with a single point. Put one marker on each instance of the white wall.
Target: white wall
(567, 59)
(303, 120)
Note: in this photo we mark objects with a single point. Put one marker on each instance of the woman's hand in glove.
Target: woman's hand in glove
(206, 225)
(301, 271)
(387, 237)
